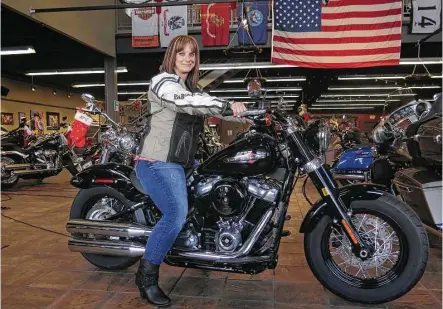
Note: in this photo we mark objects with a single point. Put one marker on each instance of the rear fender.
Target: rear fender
(347, 195)
(113, 175)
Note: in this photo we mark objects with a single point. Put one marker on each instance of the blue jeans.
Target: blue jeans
(165, 183)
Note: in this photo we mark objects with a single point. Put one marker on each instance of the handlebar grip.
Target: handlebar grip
(251, 112)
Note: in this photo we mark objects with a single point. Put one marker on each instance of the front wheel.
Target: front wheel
(400, 252)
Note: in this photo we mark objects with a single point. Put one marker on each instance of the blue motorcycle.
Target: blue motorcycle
(354, 165)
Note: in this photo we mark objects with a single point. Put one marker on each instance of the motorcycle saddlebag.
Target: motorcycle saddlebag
(430, 141)
(421, 189)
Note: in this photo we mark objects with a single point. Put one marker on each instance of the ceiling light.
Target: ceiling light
(366, 95)
(269, 96)
(369, 77)
(267, 89)
(425, 87)
(118, 84)
(17, 51)
(364, 88)
(415, 61)
(270, 80)
(344, 105)
(353, 100)
(128, 93)
(365, 107)
(75, 72)
(437, 76)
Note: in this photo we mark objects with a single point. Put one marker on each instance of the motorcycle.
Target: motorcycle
(360, 242)
(44, 157)
(418, 139)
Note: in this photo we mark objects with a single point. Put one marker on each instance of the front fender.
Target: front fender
(347, 195)
(110, 174)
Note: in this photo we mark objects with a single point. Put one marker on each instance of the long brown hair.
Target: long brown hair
(177, 45)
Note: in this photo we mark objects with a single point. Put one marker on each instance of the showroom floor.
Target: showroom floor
(38, 271)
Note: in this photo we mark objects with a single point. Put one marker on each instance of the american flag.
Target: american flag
(337, 34)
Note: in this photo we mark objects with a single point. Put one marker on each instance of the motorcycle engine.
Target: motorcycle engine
(235, 207)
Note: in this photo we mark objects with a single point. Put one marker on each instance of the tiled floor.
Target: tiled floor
(38, 271)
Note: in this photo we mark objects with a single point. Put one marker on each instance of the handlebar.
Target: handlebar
(248, 113)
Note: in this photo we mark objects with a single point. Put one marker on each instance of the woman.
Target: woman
(169, 145)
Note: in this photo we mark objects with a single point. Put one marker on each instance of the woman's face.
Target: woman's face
(185, 60)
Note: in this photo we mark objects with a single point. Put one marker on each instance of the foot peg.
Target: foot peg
(288, 217)
(285, 233)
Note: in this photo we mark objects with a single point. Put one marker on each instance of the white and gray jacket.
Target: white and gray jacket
(175, 118)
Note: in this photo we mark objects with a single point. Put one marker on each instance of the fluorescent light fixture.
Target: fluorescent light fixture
(268, 89)
(270, 80)
(425, 87)
(365, 107)
(129, 93)
(7, 51)
(268, 97)
(353, 100)
(365, 88)
(366, 95)
(344, 105)
(415, 61)
(75, 72)
(103, 85)
(437, 76)
(370, 77)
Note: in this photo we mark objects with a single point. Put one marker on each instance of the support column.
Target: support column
(111, 87)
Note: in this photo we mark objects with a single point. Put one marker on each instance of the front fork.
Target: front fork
(321, 177)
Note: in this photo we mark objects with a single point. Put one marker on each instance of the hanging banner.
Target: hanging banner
(215, 24)
(173, 22)
(426, 16)
(257, 15)
(144, 28)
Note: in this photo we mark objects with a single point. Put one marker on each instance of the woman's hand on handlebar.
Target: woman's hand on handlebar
(238, 108)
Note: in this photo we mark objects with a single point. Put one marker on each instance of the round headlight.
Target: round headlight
(126, 142)
(324, 138)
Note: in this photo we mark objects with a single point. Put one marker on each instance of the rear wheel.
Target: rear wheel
(98, 204)
(397, 264)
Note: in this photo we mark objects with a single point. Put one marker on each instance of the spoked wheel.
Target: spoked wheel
(397, 261)
(99, 204)
(9, 179)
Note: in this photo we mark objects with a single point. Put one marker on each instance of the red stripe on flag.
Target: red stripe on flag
(336, 65)
(348, 40)
(338, 53)
(371, 14)
(358, 2)
(388, 25)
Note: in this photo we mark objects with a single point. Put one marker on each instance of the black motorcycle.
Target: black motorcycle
(45, 156)
(361, 243)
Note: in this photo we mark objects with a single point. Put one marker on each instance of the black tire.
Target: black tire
(79, 210)
(414, 262)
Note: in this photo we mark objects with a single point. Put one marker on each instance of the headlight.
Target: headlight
(126, 142)
(324, 138)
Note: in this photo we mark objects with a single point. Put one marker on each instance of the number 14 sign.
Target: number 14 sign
(426, 16)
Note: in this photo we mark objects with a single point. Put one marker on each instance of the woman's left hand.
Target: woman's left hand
(238, 107)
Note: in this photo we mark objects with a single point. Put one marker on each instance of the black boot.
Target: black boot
(146, 279)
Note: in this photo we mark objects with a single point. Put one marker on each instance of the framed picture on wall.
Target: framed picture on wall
(37, 121)
(21, 115)
(7, 119)
(52, 120)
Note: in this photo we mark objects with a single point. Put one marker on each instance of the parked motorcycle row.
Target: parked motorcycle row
(361, 241)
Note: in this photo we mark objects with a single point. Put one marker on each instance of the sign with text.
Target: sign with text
(426, 16)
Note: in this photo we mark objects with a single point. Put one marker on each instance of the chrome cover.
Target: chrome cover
(262, 190)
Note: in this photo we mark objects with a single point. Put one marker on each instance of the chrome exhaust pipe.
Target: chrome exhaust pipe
(29, 172)
(348, 177)
(108, 228)
(130, 249)
(13, 152)
(13, 167)
(106, 247)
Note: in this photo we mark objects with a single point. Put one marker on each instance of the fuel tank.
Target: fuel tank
(355, 158)
(252, 155)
